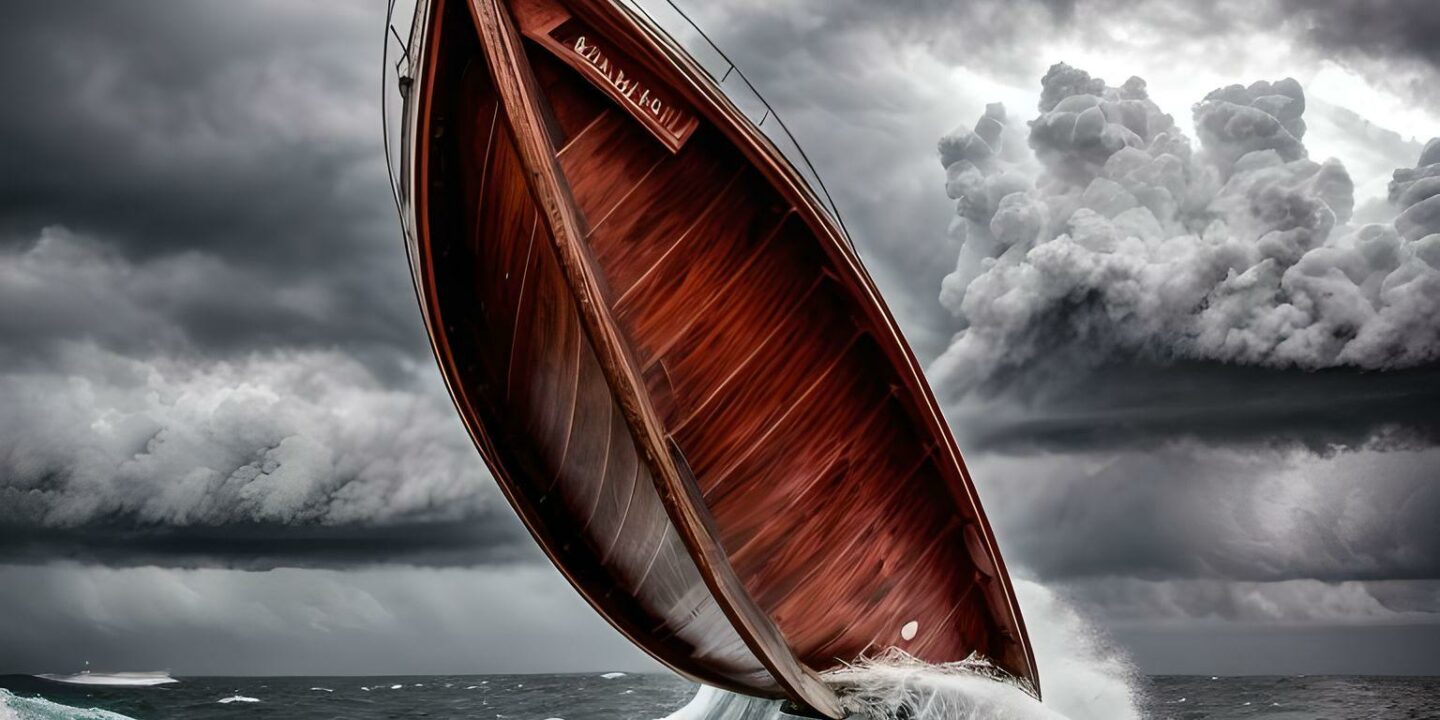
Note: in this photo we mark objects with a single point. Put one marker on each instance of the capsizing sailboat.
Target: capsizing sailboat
(673, 362)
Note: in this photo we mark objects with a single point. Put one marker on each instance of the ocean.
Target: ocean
(646, 697)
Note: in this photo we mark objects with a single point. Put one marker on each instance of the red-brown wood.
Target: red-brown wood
(676, 368)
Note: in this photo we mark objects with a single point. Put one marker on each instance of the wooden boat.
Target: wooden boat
(674, 364)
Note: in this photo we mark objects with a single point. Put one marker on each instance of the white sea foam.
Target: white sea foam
(237, 698)
(37, 708)
(119, 679)
(715, 704)
(613, 675)
(897, 685)
(889, 687)
(1083, 678)
(1082, 674)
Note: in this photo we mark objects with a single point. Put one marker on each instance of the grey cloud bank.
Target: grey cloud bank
(1134, 247)
(307, 448)
(373, 621)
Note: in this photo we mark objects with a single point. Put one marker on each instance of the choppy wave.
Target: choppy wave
(13, 707)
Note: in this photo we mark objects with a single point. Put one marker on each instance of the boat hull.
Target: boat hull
(674, 365)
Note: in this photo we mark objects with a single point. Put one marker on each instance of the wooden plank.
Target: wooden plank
(660, 211)
(773, 385)
(684, 283)
(604, 163)
(750, 314)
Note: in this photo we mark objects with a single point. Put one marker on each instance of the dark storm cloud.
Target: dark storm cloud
(1191, 512)
(235, 144)
(68, 287)
(484, 540)
(1282, 602)
(209, 350)
(1400, 32)
(1064, 406)
(371, 621)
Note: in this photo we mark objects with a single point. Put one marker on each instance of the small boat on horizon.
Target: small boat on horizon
(675, 365)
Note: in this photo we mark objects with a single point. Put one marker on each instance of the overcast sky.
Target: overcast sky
(1197, 391)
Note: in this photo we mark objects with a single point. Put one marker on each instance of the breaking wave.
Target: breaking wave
(1083, 678)
(13, 707)
(889, 687)
(896, 685)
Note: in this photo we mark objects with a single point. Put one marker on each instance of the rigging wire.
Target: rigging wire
(769, 111)
(829, 200)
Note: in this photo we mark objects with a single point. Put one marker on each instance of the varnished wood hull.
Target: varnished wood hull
(674, 365)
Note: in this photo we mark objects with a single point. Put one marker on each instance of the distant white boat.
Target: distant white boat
(119, 679)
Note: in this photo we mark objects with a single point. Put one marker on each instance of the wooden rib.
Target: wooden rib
(661, 307)
(588, 126)
(768, 487)
(666, 160)
(662, 211)
(585, 440)
(603, 474)
(739, 369)
(659, 546)
(945, 622)
(752, 411)
(605, 163)
(485, 176)
(569, 431)
(623, 294)
(629, 501)
(515, 329)
(502, 47)
(893, 619)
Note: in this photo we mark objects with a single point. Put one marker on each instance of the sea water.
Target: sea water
(649, 696)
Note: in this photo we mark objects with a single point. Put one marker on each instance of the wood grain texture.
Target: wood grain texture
(680, 374)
